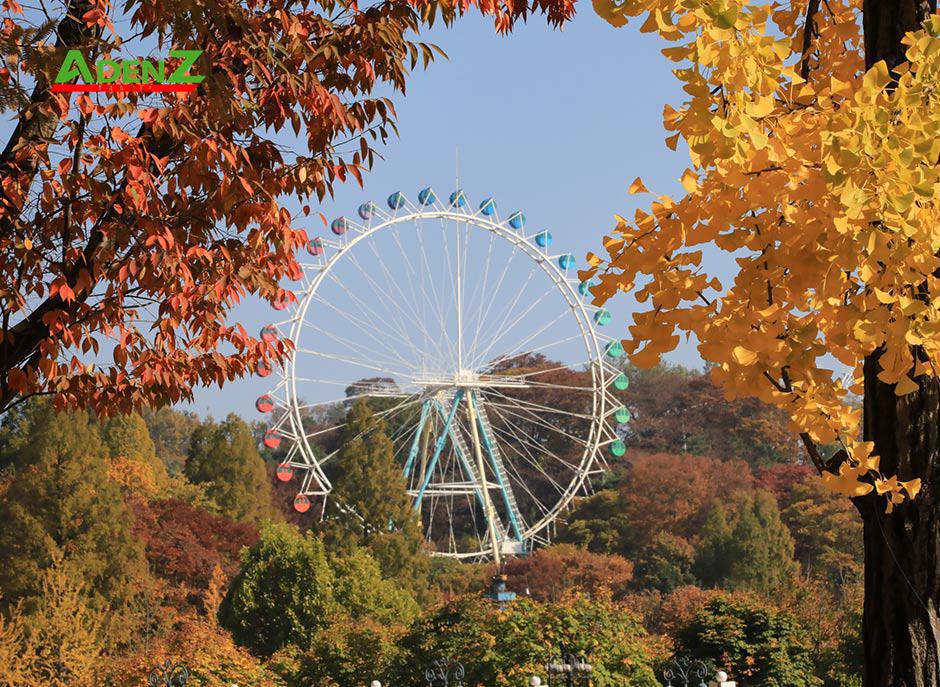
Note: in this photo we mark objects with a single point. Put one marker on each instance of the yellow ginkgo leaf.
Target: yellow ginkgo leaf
(743, 356)
(905, 386)
(846, 482)
(610, 12)
(912, 487)
(638, 187)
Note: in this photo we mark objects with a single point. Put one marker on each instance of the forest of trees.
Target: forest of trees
(139, 538)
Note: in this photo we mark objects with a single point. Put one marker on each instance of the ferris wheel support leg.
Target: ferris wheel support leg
(515, 518)
(464, 458)
(438, 448)
(488, 504)
(416, 442)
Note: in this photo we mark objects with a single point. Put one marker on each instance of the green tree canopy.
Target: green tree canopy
(369, 504)
(171, 431)
(749, 549)
(62, 505)
(283, 593)
(223, 457)
(289, 591)
(756, 644)
(503, 648)
(126, 437)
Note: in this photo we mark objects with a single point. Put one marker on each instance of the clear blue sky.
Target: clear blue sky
(555, 122)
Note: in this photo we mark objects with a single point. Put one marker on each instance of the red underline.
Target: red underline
(122, 87)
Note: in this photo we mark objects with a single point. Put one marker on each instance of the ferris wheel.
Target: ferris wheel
(474, 343)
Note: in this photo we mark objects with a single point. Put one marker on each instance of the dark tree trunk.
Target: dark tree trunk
(901, 627)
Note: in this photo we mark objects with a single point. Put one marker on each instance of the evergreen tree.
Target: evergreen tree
(223, 457)
(171, 431)
(751, 549)
(369, 505)
(61, 504)
(131, 449)
(761, 548)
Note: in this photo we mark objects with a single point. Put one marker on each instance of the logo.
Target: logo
(127, 76)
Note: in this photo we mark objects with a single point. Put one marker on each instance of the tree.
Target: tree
(563, 570)
(748, 548)
(283, 593)
(812, 138)
(369, 505)
(170, 430)
(132, 452)
(185, 544)
(500, 648)
(130, 226)
(755, 643)
(826, 532)
(676, 410)
(59, 643)
(61, 504)
(288, 592)
(223, 456)
(599, 524)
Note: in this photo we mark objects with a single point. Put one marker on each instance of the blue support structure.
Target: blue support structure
(438, 448)
(497, 472)
(413, 453)
(467, 467)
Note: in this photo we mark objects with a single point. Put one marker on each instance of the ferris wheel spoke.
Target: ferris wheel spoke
(529, 405)
(391, 309)
(416, 318)
(522, 435)
(523, 449)
(534, 349)
(521, 318)
(360, 324)
(502, 330)
(509, 408)
(484, 290)
(438, 301)
(523, 440)
(495, 298)
(393, 327)
(426, 299)
(505, 319)
(523, 483)
(363, 349)
(525, 376)
(521, 346)
(385, 414)
(357, 363)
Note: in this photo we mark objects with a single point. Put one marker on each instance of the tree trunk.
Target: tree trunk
(901, 626)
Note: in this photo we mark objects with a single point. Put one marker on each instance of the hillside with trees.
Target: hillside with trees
(197, 555)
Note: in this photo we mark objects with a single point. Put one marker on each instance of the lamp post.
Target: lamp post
(168, 674)
(682, 672)
(445, 673)
(568, 669)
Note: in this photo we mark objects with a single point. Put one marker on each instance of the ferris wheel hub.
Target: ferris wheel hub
(467, 379)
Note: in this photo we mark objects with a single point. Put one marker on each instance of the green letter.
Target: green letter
(182, 75)
(129, 71)
(107, 78)
(150, 73)
(74, 65)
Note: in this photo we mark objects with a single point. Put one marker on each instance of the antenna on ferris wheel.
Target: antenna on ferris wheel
(457, 168)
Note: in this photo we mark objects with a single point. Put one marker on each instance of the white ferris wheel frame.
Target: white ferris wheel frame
(289, 425)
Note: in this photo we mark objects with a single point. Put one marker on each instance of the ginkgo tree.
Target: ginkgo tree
(812, 130)
(131, 223)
